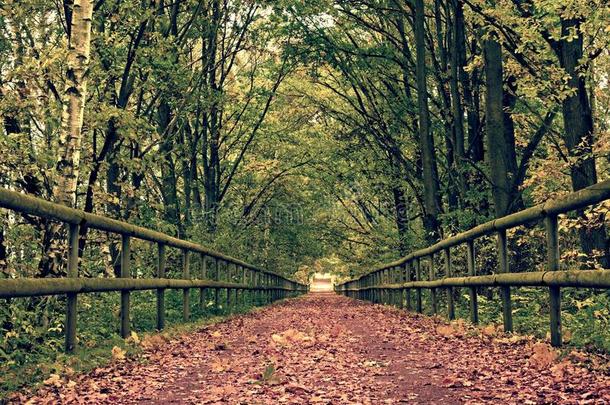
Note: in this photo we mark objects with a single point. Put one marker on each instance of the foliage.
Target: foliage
(287, 133)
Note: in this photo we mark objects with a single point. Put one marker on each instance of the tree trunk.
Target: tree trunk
(402, 218)
(169, 188)
(69, 145)
(212, 168)
(457, 69)
(578, 126)
(430, 172)
(497, 148)
(79, 46)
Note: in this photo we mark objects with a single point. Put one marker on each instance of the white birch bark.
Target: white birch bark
(68, 161)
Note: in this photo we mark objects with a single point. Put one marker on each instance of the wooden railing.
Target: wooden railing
(266, 286)
(393, 282)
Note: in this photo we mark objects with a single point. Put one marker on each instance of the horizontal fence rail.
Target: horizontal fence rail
(238, 276)
(392, 282)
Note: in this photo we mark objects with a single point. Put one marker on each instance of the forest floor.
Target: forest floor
(328, 349)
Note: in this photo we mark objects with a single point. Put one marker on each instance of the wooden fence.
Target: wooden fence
(393, 282)
(263, 285)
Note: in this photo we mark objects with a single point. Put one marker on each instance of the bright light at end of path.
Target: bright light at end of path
(321, 282)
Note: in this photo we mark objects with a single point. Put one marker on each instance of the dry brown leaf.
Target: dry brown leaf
(118, 354)
(489, 330)
(445, 330)
(543, 355)
(153, 341)
(218, 366)
(133, 339)
(53, 380)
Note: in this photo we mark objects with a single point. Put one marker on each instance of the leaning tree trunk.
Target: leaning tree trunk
(432, 203)
(69, 147)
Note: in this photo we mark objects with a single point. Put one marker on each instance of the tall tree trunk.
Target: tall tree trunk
(497, 148)
(169, 187)
(79, 47)
(212, 172)
(578, 129)
(402, 218)
(457, 74)
(432, 200)
(69, 145)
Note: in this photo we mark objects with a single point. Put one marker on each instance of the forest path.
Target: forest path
(328, 349)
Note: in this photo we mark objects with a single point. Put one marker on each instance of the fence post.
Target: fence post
(472, 271)
(407, 279)
(204, 276)
(385, 290)
(244, 280)
(394, 273)
(505, 290)
(228, 279)
(161, 291)
(433, 290)
(449, 273)
(186, 292)
(552, 264)
(125, 273)
(216, 278)
(418, 291)
(71, 298)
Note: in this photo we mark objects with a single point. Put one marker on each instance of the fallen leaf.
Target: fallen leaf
(118, 354)
(543, 355)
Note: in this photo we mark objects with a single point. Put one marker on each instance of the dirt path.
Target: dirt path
(326, 349)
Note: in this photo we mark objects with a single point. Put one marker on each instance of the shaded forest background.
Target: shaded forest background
(306, 136)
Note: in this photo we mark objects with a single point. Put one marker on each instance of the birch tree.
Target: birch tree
(79, 46)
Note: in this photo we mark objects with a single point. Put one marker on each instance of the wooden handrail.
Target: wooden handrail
(33, 287)
(267, 286)
(378, 284)
(27, 204)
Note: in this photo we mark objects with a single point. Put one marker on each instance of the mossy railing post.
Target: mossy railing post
(433, 297)
(507, 312)
(244, 280)
(372, 283)
(552, 264)
(186, 292)
(418, 292)
(217, 278)
(125, 273)
(399, 279)
(252, 283)
(472, 271)
(386, 292)
(407, 278)
(72, 298)
(236, 290)
(396, 294)
(227, 272)
(377, 283)
(204, 275)
(161, 291)
(449, 274)
(393, 293)
(259, 291)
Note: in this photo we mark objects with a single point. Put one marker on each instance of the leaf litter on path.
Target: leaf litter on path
(328, 349)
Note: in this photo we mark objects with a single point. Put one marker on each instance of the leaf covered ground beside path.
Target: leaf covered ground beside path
(327, 349)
